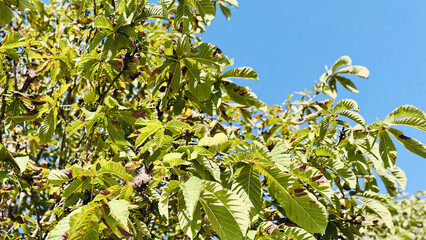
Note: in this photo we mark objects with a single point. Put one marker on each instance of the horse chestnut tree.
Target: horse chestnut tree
(119, 122)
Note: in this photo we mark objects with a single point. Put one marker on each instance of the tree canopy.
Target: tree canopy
(119, 122)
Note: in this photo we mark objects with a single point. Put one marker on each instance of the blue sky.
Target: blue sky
(289, 42)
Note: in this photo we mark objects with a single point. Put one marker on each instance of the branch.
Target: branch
(307, 117)
(3, 105)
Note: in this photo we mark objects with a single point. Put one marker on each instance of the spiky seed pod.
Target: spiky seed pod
(140, 182)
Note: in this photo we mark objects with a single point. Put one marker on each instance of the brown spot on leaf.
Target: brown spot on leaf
(57, 196)
(69, 172)
(217, 52)
(123, 232)
(303, 168)
(156, 72)
(116, 125)
(403, 137)
(320, 179)
(300, 192)
(104, 192)
(271, 228)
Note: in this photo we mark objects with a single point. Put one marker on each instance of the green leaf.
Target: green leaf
(400, 176)
(21, 161)
(115, 169)
(380, 210)
(103, 22)
(176, 79)
(153, 11)
(346, 83)
(241, 72)
(76, 186)
(225, 210)
(163, 204)
(177, 126)
(62, 226)
(346, 104)
(191, 190)
(120, 211)
(387, 149)
(279, 155)
(6, 14)
(12, 40)
(85, 222)
(354, 116)
(344, 60)
(359, 71)
(414, 122)
(190, 222)
(183, 16)
(56, 177)
(324, 151)
(206, 10)
(410, 144)
(248, 187)
(205, 54)
(302, 210)
(294, 233)
(48, 126)
(148, 130)
(406, 111)
(241, 95)
(75, 126)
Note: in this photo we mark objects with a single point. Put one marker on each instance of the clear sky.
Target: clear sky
(289, 42)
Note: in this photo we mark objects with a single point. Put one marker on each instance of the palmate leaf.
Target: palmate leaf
(414, 122)
(379, 209)
(76, 186)
(119, 210)
(387, 149)
(12, 40)
(227, 213)
(103, 22)
(56, 177)
(400, 176)
(354, 116)
(6, 14)
(347, 83)
(315, 179)
(163, 204)
(176, 80)
(177, 126)
(405, 111)
(241, 95)
(48, 126)
(83, 224)
(359, 71)
(206, 9)
(241, 72)
(183, 16)
(191, 190)
(75, 126)
(343, 171)
(294, 233)
(209, 55)
(62, 226)
(248, 187)
(410, 144)
(346, 104)
(344, 60)
(153, 11)
(189, 222)
(302, 210)
(114, 169)
(150, 128)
